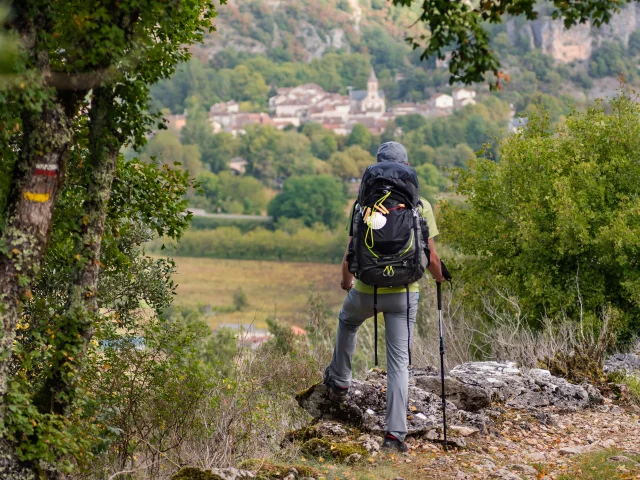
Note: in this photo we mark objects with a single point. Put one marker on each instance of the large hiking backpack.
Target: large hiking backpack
(388, 249)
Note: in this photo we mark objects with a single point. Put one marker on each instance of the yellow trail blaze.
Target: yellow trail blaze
(37, 197)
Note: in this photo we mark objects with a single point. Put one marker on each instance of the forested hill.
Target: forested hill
(262, 44)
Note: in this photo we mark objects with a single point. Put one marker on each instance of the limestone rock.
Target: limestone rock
(191, 473)
(469, 387)
(504, 474)
(569, 451)
(526, 469)
(508, 384)
(365, 406)
(622, 362)
(463, 431)
(464, 396)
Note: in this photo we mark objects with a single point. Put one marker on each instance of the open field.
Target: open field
(279, 287)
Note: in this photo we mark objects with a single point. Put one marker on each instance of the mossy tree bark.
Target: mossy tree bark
(38, 178)
(82, 307)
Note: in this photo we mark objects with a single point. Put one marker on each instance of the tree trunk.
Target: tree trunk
(82, 307)
(39, 176)
(103, 156)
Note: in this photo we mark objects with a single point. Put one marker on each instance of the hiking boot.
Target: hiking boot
(393, 443)
(334, 392)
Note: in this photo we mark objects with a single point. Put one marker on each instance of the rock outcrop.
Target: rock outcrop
(190, 473)
(471, 389)
(626, 363)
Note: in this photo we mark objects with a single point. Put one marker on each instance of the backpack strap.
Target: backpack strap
(408, 324)
(375, 324)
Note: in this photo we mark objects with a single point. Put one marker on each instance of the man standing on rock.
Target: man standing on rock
(398, 304)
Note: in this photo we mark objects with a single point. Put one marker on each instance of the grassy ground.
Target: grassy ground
(270, 287)
(605, 465)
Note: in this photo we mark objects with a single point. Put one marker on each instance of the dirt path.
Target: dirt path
(523, 447)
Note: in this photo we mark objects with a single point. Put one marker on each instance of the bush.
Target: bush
(240, 300)
(556, 219)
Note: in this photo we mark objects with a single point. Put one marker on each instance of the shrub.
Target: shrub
(240, 300)
(556, 219)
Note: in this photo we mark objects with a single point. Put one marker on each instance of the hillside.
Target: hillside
(300, 31)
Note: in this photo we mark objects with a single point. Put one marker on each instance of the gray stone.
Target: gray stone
(463, 431)
(353, 458)
(370, 444)
(469, 387)
(504, 474)
(621, 458)
(508, 384)
(366, 410)
(464, 396)
(526, 469)
(622, 362)
(569, 451)
(217, 473)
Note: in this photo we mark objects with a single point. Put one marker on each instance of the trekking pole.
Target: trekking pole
(444, 402)
(447, 276)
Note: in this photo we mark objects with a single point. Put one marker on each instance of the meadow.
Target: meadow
(273, 289)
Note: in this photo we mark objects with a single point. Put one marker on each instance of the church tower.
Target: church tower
(372, 86)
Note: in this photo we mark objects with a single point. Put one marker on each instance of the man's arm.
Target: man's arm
(347, 276)
(434, 263)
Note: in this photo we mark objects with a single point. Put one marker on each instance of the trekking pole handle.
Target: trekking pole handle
(439, 289)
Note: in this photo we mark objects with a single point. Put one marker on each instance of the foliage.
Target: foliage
(245, 225)
(165, 147)
(554, 219)
(273, 154)
(230, 193)
(350, 163)
(146, 388)
(359, 136)
(240, 299)
(314, 199)
(305, 245)
(609, 60)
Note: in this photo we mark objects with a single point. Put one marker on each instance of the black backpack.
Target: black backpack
(388, 248)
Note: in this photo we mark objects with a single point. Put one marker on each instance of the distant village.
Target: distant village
(339, 113)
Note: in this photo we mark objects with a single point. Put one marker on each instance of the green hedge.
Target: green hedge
(306, 245)
(245, 225)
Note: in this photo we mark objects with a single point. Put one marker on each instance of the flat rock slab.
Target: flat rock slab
(470, 388)
(515, 387)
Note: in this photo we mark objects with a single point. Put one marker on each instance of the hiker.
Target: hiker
(399, 304)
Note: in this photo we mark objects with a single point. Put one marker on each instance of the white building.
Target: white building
(463, 97)
(443, 101)
(221, 115)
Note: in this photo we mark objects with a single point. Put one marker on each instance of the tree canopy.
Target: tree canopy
(311, 198)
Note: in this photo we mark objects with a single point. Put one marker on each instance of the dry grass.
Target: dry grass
(270, 287)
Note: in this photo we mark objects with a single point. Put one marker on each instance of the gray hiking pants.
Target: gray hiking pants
(356, 309)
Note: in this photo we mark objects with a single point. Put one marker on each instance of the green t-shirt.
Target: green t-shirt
(427, 213)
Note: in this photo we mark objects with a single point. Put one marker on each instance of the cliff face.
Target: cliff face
(309, 28)
(577, 43)
(305, 27)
